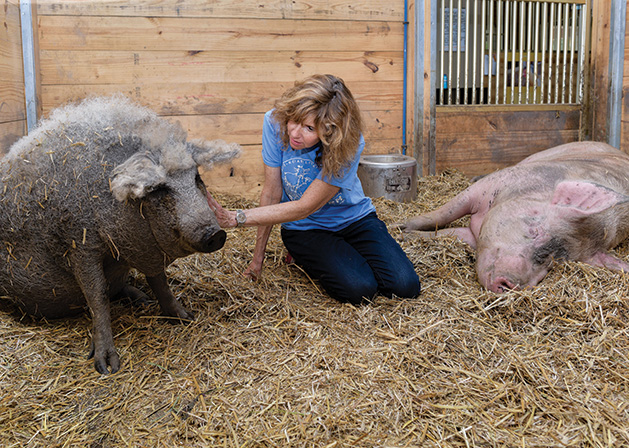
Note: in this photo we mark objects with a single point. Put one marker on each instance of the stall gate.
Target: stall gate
(511, 77)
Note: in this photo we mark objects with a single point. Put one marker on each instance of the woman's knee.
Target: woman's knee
(355, 292)
(410, 288)
(405, 284)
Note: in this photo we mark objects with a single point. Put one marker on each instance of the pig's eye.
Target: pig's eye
(554, 249)
(161, 189)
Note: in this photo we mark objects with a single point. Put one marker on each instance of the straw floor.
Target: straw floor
(277, 363)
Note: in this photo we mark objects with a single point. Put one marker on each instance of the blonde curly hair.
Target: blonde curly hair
(335, 114)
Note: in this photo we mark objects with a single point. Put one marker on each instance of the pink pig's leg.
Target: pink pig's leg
(462, 233)
(603, 259)
(452, 210)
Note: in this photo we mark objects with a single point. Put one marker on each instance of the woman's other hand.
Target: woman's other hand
(254, 271)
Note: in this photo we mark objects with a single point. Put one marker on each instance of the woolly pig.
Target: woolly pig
(98, 188)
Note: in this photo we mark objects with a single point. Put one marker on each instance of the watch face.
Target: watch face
(241, 217)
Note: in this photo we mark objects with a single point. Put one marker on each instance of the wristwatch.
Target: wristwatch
(241, 218)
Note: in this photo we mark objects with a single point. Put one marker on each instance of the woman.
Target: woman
(311, 146)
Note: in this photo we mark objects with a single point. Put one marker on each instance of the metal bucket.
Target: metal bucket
(392, 176)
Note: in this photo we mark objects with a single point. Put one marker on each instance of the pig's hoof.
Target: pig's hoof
(135, 296)
(182, 317)
(105, 361)
(175, 311)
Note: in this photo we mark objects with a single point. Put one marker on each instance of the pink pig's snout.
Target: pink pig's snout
(502, 274)
(501, 284)
(513, 280)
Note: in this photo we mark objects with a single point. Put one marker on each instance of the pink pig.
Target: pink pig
(570, 202)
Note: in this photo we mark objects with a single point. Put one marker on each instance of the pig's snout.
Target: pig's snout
(501, 284)
(213, 240)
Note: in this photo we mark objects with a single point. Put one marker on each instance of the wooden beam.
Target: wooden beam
(246, 129)
(263, 9)
(596, 110)
(83, 33)
(189, 98)
(127, 67)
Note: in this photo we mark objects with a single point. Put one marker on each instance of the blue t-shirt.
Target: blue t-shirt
(299, 170)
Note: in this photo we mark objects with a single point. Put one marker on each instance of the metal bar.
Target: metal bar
(521, 46)
(617, 33)
(514, 15)
(550, 51)
(458, 54)
(582, 46)
(442, 76)
(28, 56)
(490, 58)
(432, 125)
(405, 84)
(481, 43)
(543, 55)
(529, 23)
(419, 86)
(572, 45)
(499, 43)
(557, 52)
(564, 86)
(467, 48)
(450, 25)
(539, 42)
(506, 51)
(536, 49)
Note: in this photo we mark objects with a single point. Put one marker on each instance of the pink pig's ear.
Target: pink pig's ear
(585, 198)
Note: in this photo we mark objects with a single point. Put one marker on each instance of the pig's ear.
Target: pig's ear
(585, 198)
(207, 153)
(136, 177)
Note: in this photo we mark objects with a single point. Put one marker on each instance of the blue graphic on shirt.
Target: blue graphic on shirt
(297, 175)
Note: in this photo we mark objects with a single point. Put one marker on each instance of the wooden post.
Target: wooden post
(425, 86)
(12, 110)
(594, 124)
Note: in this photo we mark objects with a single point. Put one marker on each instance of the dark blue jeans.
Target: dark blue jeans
(355, 263)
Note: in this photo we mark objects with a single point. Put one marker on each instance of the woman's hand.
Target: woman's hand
(254, 271)
(225, 218)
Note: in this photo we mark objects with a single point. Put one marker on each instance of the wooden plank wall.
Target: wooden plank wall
(12, 106)
(218, 66)
(478, 141)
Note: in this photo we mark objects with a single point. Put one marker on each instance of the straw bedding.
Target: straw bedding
(277, 363)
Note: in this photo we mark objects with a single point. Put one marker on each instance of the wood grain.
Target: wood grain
(188, 98)
(83, 33)
(147, 67)
(12, 106)
(10, 132)
(481, 142)
(263, 9)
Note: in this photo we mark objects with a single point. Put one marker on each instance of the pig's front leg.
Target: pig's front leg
(167, 301)
(454, 209)
(462, 233)
(91, 278)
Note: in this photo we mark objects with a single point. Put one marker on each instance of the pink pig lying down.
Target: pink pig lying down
(570, 202)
